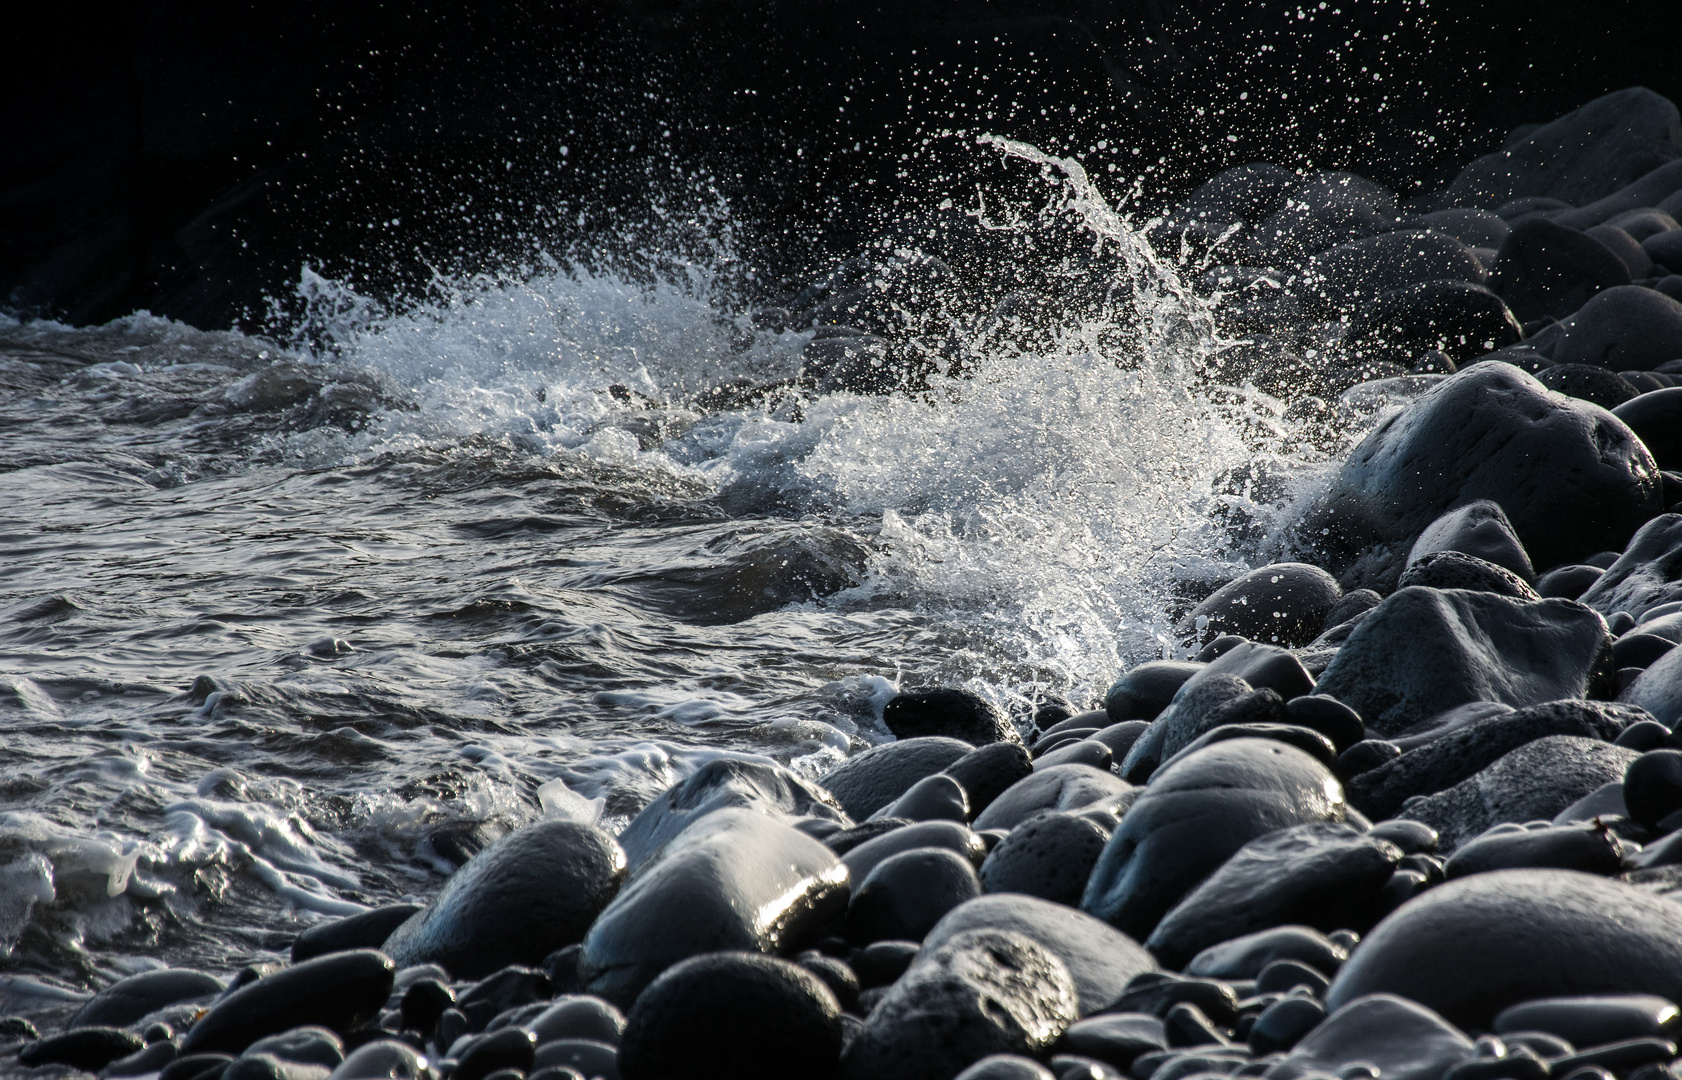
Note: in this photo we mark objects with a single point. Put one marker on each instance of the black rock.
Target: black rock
(1061, 787)
(366, 930)
(1321, 875)
(1330, 208)
(1194, 815)
(1635, 650)
(1209, 704)
(562, 968)
(517, 901)
(1078, 752)
(1157, 992)
(1100, 959)
(980, 992)
(1625, 247)
(304, 1045)
(1534, 782)
(1187, 1026)
(1473, 947)
(1653, 786)
(846, 840)
(735, 879)
(1568, 582)
(424, 1002)
(1452, 757)
(1479, 529)
(1545, 270)
(1265, 667)
(1329, 716)
(1594, 1020)
(1395, 1038)
(1474, 228)
(509, 1048)
(1657, 419)
(1351, 607)
(1284, 1023)
(834, 973)
(1307, 740)
(1626, 328)
(1571, 477)
(1250, 192)
(733, 1016)
(906, 894)
(1116, 1038)
(87, 1048)
(1245, 957)
(947, 711)
(578, 1016)
(382, 1059)
(1284, 976)
(1645, 575)
(1050, 856)
(1007, 1067)
(950, 835)
(154, 1057)
(339, 991)
(127, 1000)
(882, 962)
(870, 780)
(933, 798)
(1605, 388)
(1147, 689)
(1121, 737)
(585, 1057)
(1664, 249)
(1456, 570)
(1352, 276)
(1364, 756)
(1585, 847)
(1587, 154)
(1425, 651)
(1458, 319)
(1283, 603)
(188, 1066)
(988, 771)
(727, 781)
(511, 988)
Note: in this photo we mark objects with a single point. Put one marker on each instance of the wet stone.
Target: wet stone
(509, 1048)
(1589, 382)
(1284, 1023)
(735, 879)
(1007, 1067)
(1329, 716)
(587, 1057)
(87, 1048)
(1050, 856)
(1471, 948)
(1080, 752)
(980, 992)
(835, 974)
(1425, 651)
(1194, 815)
(1154, 993)
(1059, 787)
(367, 930)
(510, 988)
(1652, 787)
(883, 962)
(383, 1059)
(1244, 957)
(1116, 1038)
(578, 1016)
(306, 1045)
(1284, 976)
(948, 712)
(873, 778)
(726, 781)
(1283, 604)
(1458, 319)
(127, 1000)
(1100, 959)
(906, 894)
(1626, 328)
(732, 1015)
(339, 991)
(1647, 574)
(1206, 704)
(1323, 875)
(933, 798)
(950, 835)
(987, 772)
(1456, 570)
(1147, 689)
(1399, 1038)
(1594, 1020)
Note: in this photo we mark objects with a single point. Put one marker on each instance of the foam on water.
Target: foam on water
(1023, 525)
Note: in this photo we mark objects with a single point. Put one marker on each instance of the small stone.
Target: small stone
(509, 1048)
(1458, 320)
(1329, 716)
(883, 962)
(860, 861)
(578, 1016)
(873, 778)
(1656, 418)
(736, 1015)
(949, 712)
(367, 930)
(511, 988)
(1007, 1067)
(1116, 1038)
(1050, 856)
(933, 798)
(1653, 786)
(1155, 992)
(981, 992)
(1147, 689)
(1585, 847)
(1080, 752)
(1323, 875)
(306, 1045)
(1245, 957)
(1398, 1039)
(1195, 814)
(835, 974)
(1413, 837)
(87, 1048)
(127, 1000)
(1101, 959)
(988, 772)
(382, 1059)
(1456, 570)
(1646, 576)
(340, 991)
(1284, 1023)
(1594, 1020)
(906, 894)
(1284, 976)
(1284, 603)
(1059, 787)
(1605, 388)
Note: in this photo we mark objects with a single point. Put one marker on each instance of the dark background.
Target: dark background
(190, 158)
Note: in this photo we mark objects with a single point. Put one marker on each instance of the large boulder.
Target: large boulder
(729, 780)
(1647, 574)
(1626, 328)
(1444, 761)
(874, 778)
(1101, 959)
(1544, 270)
(536, 890)
(1424, 651)
(981, 992)
(1195, 813)
(1533, 783)
(1571, 477)
(735, 879)
(1324, 876)
(1585, 155)
(1656, 419)
(1472, 947)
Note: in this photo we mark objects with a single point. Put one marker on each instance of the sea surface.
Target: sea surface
(291, 626)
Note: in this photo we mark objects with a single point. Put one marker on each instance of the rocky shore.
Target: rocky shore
(1411, 806)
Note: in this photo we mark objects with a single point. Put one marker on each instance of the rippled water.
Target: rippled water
(285, 631)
